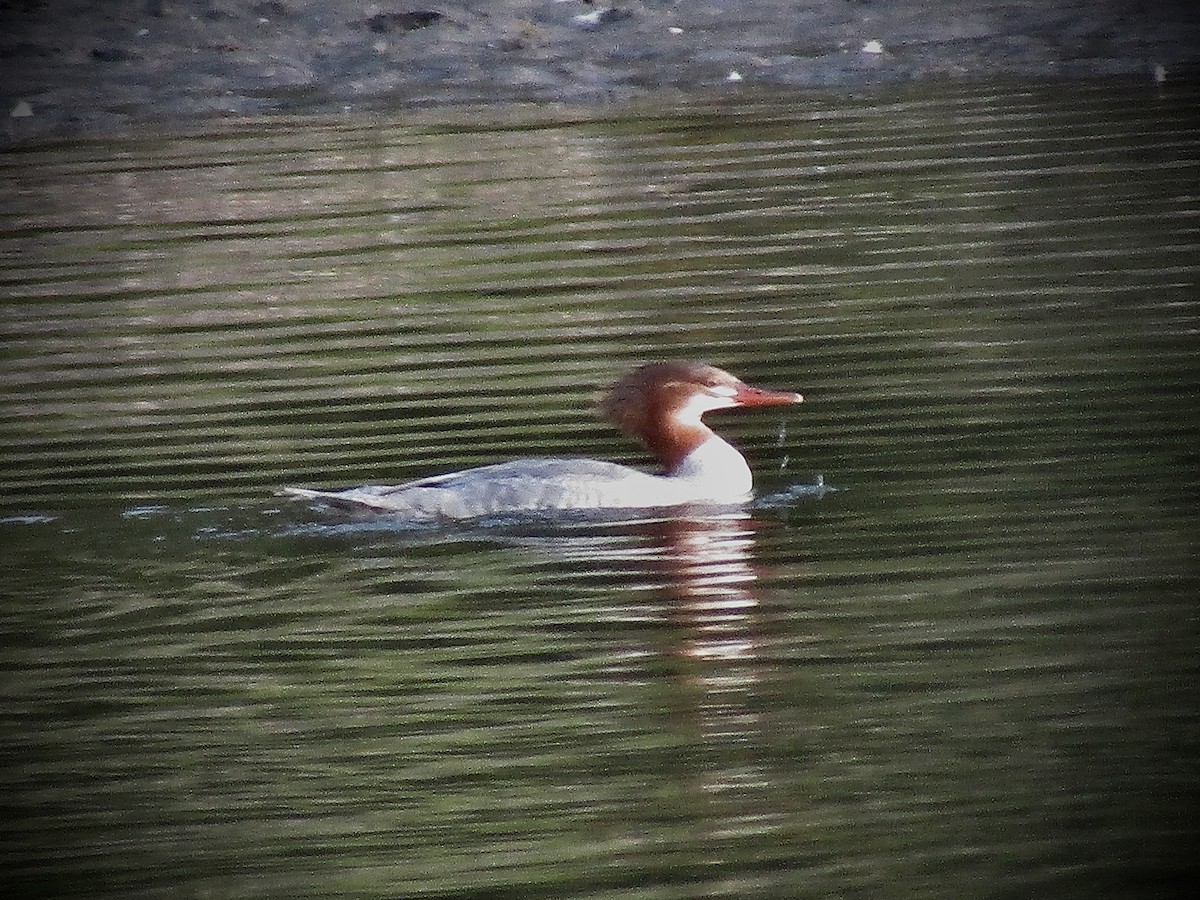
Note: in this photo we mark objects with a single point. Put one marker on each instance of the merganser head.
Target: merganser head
(662, 403)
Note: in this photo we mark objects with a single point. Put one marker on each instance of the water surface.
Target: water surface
(971, 671)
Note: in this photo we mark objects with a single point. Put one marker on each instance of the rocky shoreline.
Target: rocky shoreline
(70, 67)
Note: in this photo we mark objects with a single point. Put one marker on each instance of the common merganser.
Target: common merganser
(661, 404)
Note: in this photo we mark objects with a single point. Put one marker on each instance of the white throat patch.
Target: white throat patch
(719, 397)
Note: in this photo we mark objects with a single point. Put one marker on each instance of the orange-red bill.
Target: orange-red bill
(752, 396)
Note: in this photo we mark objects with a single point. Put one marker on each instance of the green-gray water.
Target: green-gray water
(969, 673)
